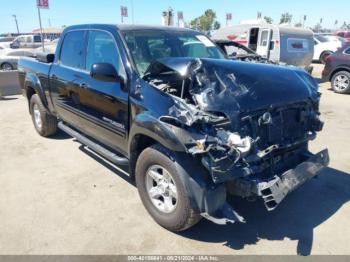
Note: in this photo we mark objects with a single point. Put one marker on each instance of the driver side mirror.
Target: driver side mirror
(106, 72)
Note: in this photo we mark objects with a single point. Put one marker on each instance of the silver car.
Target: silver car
(10, 57)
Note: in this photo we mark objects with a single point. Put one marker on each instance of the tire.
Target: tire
(341, 82)
(324, 56)
(7, 66)
(182, 216)
(45, 123)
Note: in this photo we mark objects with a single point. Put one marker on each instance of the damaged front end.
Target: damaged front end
(249, 124)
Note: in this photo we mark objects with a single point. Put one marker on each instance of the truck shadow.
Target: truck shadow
(295, 218)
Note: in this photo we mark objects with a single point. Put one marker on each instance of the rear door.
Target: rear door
(263, 45)
(66, 76)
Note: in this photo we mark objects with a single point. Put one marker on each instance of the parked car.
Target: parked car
(6, 39)
(277, 43)
(48, 48)
(325, 46)
(5, 42)
(190, 125)
(26, 41)
(9, 58)
(337, 70)
(330, 37)
(344, 35)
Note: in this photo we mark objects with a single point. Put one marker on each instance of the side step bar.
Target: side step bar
(94, 146)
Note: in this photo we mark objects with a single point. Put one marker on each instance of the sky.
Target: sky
(68, 12)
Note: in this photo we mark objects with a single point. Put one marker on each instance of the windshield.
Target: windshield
(148, 45)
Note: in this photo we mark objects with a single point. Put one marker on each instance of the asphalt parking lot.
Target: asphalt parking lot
(58, 198)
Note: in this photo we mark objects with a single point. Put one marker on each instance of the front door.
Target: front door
(105, 103)
(263, 45)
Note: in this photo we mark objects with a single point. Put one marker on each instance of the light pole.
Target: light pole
(41, 30)
(132, 11)
(15, 17)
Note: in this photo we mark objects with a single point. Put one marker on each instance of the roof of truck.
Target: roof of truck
(129, 27)
(125, 27)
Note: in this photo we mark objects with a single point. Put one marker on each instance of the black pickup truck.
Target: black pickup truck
(190, 125)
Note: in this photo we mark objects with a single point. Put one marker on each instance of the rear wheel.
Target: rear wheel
(161, 190)
(45, 123)
(324, 56)
(341, 82)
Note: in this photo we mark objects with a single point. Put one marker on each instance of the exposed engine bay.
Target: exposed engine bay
(247, 127)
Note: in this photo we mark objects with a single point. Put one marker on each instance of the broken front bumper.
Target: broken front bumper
(274, 191)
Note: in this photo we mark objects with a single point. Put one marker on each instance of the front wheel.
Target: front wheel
(162, 191)
(341, 82)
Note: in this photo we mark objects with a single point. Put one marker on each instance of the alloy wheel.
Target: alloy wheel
(161, 189)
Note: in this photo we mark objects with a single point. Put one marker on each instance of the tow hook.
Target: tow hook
(225, 215)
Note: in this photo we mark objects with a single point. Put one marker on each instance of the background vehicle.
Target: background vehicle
(344, 34)
(26, 41)
(325, 46)
(190, 125)
(6, 39)
(337, 70)
(5, 42)
(49, 47)
(9, 57)
(293, 46)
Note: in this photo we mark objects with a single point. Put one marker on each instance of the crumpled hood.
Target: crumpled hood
(226, 86)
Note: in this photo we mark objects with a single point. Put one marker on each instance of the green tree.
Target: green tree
(299, 24)
(345, 26)
(216, 25)
(268, 19)
(286, 18)
(206, 22)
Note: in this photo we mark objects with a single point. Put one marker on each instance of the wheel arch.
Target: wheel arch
(147, 131)
(324, 52)
(33, 86)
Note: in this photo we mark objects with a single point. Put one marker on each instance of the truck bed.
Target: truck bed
(27, 67)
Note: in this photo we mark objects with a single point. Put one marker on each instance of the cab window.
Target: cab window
(21, 39)
(37, 39)
(72, 51)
